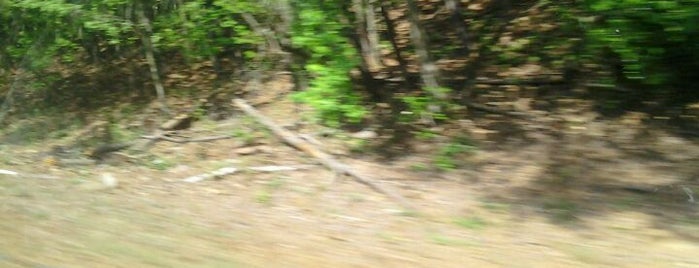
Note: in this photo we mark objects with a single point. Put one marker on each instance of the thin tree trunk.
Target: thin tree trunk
(457, 21)
(187, 43)
(7, 101)
(369, 54)
(391, 30)
(273, 45)
(428, 70)
(150, 57)
(372, 32)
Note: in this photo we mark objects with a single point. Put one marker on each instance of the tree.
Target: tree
(320, 29)
(656, 42)
(367, 33)
(429, 73)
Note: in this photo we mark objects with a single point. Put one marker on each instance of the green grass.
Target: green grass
(495, 206)
(471, 223)
(276, 183)
(419, 167)
(449, 241)
(561, 210)
(448, 157)
(160, 164)
(263, 197)
(425, 134)
(243, 135)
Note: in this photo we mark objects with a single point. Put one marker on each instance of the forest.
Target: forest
(430, 133)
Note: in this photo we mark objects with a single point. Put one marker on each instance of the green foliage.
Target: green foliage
(450, 241)
(420, 107)
(244, 135)
(319, 30)
(200, 29)
(331, 95)
(160, 164)
(425, 134)
(263, 197)
(657, 41)
(447, 157)
(561, 210)
(473, 223)
(57, 28)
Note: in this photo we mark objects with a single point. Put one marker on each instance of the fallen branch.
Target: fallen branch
(493, 110)
(277, 168)
(175, 140)
(216, 173)
(17, 174)
(324, 158)
(230, 170)
(543, 80)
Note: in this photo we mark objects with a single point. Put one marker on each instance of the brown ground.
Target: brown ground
(503, 209)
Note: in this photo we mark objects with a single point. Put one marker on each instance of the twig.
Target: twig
(213, 138)
(489, 109)
(524, 81)
(689, 193)
(166, 138)
(231, 170)
(277, 168)
(17, 174)
(216, 173)
(322, 157)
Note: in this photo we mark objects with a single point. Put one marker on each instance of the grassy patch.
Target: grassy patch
(243, 135)
(472, 223)
(443, 240)
(263, 197)
(425, 134)
(409, 213)
(358, 145)
(160, 164)
(448, 156)
(419, 167)
(561, 210)
(495, 206)
(276, 183)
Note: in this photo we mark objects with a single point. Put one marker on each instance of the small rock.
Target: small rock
(247, 150)
(475, 7)
(109, 180)
(365, 134)
(693, 109)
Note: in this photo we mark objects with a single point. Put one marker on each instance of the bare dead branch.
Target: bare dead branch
(327, 160)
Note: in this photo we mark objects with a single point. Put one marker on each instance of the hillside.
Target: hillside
(533, 151)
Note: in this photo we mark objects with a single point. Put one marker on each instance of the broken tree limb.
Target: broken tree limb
(230, 170)
(216, 173)
(494, 110)
(146, 34)
(327, 160)
(26, 175)
(175, 140)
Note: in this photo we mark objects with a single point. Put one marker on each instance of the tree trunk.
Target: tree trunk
(273, 45)
(457, 21)
(391, 30)
(372, 32)
(366, 31)
(188, 47)
(150, 57)
(428, 70)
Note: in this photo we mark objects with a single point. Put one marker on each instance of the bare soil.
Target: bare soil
(605, 208)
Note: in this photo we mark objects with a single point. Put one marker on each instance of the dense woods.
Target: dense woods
(349, 133)
(346, 55)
